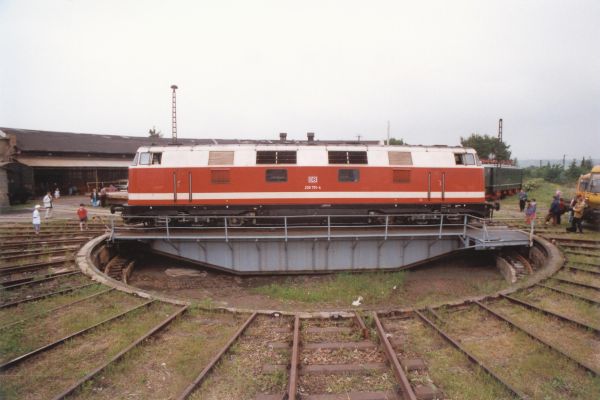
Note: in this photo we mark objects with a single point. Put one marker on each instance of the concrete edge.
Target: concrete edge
(83, 260)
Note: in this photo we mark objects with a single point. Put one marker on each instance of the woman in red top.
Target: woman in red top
(82, 214)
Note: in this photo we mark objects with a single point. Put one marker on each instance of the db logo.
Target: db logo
(313, 179)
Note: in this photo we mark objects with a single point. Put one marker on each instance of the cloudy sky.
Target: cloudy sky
(437, 70)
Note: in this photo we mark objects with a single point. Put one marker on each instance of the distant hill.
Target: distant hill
(536, 163)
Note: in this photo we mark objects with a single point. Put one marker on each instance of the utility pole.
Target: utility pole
(388, 133)
(564, 157)
(174, 115)
(499, 140)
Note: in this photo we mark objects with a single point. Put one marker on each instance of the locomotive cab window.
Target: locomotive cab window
(276, 175)
(135, 159)
(156, 158)
(145, 158)
(348, 175)
(464, 159)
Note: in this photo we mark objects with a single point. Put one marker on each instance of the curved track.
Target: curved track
(120, 343)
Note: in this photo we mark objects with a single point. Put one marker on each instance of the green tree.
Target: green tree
(397, 142)
(153, 133)
(487, 146)
(586, 164)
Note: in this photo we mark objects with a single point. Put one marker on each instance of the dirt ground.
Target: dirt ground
(442, 280)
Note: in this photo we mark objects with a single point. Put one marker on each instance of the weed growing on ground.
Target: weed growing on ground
(342, 288)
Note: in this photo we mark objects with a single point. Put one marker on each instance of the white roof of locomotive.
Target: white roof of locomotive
(307, 154)
(304, 146)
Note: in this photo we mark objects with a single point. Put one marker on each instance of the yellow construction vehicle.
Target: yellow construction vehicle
(588, 186)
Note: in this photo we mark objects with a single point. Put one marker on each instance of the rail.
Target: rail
(473, 231)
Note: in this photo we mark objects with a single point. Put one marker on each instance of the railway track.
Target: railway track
(534, 343)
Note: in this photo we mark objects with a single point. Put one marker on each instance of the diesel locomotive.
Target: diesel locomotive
(192, 184)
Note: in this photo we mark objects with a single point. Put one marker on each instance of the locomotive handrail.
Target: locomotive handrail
(290, 227)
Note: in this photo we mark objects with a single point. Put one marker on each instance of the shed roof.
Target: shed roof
(29, 140)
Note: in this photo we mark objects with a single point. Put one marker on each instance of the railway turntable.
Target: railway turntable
(293, 247)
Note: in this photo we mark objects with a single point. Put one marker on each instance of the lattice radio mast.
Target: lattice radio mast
(174, 115)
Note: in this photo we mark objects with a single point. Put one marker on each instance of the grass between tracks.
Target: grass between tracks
(449, 369)
(51, 372)
(31, 309)
(520, 360)
(163, 366)
(25, 337)
(571, 339)
(340, 289)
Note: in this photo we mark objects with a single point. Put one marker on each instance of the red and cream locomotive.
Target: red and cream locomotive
(303, 178)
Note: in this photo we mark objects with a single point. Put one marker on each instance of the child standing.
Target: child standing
(37, 220)
(83, 217)
(530, 210)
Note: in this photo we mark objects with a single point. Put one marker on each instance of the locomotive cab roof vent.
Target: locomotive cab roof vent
(310, 136)
(282, 137)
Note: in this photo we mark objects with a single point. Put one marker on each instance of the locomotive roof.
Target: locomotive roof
(278, 145)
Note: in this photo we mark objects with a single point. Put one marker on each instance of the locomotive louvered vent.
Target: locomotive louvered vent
(348, 157)
(220, 176)
(400, 157)
(401, 176)
(220, 158)
(276, 157)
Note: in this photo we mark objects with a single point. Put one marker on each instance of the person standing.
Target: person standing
(530, 212)
(56, 193)
(578, 210)
(48, 204)
(561, 210)
(83, 217)
(103, 197)
(36, 219)
(522, 200)
(94, 198)
(553, 212)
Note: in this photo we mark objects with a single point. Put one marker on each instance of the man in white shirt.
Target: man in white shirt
(48, 204)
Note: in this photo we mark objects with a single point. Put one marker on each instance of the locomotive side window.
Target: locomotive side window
(348, 157)
(156, 158)
(348, 175)
(464, 159)
(220, 158)
(401, 176)
(135, 159)
(469, 159)
(276, 175)
(400, 158)
(218, 176)
(276, 157)
(145, 158)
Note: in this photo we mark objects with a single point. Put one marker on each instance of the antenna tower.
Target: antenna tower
(174, 115)
(500, 130)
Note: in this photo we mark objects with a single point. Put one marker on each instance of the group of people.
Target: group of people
(82, 215)
(48, 202)
(556, 210)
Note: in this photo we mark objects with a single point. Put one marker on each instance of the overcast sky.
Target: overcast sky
(437, 70)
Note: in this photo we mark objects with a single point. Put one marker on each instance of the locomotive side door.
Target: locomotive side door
(182, 185)
(436, 185)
